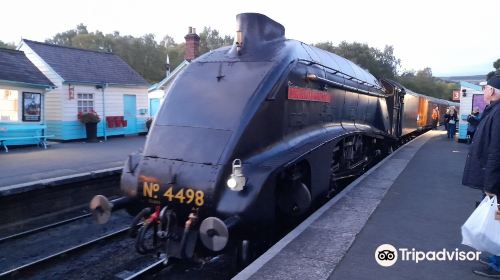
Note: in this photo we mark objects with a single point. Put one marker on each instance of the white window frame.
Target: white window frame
(17, 92)
(85, 102)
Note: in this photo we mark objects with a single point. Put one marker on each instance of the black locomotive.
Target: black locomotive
(257, 133)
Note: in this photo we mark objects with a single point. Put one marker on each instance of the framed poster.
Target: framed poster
(32, 106)
(478, 101)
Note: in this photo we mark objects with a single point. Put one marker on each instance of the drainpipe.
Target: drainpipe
(42, 110)
(104, 111)
(102, 87)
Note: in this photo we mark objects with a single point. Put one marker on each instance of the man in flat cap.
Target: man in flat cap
(482, 167)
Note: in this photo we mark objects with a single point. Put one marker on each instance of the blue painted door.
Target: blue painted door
(154, 103)
(129, 113)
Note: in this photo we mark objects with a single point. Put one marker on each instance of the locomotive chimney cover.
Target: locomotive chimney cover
(254, 30)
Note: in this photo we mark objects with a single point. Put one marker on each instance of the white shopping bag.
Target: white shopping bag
(481, 231)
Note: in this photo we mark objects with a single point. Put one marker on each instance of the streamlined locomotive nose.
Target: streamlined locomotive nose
(187, 144)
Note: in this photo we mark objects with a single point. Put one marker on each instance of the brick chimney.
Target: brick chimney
(192, 44)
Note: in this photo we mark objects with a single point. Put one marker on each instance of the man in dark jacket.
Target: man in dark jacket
(482, 167)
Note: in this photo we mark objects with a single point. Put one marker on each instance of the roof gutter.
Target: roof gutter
(23, 84)
(169, 77)
(101, 83)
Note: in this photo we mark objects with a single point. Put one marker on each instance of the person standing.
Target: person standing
(473, 120)
(435, 117)
(452, 122)
(446, 118)
(482, 166)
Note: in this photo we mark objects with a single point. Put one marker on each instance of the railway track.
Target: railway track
(46, 261)
(151, 269)
(42, 228)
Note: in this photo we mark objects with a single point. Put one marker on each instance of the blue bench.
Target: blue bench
(22, 134)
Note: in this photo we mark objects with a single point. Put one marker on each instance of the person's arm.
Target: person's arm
(492, 167)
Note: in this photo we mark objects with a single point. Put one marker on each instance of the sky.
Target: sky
(451, 37)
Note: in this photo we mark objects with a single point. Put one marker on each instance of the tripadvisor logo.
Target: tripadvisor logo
(387, 255)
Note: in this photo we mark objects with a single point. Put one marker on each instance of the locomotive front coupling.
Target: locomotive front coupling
(157, 229)
(160, 232)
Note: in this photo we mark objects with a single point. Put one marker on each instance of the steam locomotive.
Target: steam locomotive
(257, 133)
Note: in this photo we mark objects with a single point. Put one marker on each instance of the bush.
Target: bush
(89, 117)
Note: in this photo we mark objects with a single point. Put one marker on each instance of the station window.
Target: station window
(85, 102)
(9, 105)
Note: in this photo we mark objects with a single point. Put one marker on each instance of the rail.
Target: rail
(35, 230)
(68, 252)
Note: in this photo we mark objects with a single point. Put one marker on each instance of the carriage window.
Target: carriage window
(85, 102)
(9, 105)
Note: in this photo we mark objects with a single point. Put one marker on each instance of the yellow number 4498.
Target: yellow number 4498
(187, 196)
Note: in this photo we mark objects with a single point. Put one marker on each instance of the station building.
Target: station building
(23, 91)
(85, 81)
(157, 92)
(471, 96)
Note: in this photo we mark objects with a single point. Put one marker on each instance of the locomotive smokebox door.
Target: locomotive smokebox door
(101, 208)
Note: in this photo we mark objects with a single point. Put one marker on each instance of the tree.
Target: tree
(168, 42)
(211, 40)
(423, 82)
(145, 55)
(327, 46)
(382, 64)
(175, 51)
(66, 38)
(496, 65)
(7, 45)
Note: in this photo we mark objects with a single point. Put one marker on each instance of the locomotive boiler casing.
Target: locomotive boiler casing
(271, 102)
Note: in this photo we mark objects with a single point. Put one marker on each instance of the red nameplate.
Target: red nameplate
(307, 94)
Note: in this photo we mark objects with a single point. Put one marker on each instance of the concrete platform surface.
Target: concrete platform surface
(31, 164)
(413, 199)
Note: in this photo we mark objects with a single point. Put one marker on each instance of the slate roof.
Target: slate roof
(167, 79)
(86, 66)
(471, 86)
(15, 67)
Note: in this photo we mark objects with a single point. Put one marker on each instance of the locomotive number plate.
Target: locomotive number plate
(184, 195)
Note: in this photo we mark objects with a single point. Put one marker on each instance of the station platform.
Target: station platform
(25, 166)
(413, 199)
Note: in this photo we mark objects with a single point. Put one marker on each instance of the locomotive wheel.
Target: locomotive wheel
(294, 199)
